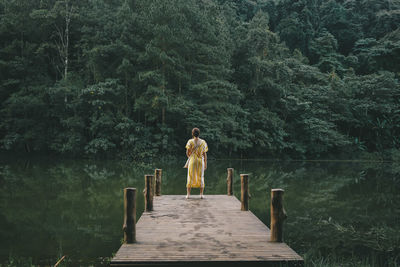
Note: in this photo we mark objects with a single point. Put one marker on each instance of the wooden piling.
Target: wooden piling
(158, 174)
(129, 226)
(244, 179)
(278, 215)
(153, 185)
(148, 192)
(229, 181)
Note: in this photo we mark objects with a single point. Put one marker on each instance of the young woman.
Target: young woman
(196, 150)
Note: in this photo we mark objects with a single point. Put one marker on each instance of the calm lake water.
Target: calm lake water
(341, 211)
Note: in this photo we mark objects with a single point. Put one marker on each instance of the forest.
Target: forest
(300, 79)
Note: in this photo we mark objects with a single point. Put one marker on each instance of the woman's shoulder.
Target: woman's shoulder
(203, 141)
(190, 141)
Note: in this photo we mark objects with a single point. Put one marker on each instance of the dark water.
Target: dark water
(337, 212)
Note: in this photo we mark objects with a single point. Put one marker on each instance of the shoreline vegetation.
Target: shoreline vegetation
(392, 156)
(261, 79)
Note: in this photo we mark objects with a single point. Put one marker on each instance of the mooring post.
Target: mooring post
(229, 181)
(129, 226)
(153, 185)
(148, 192)
(244, 179)
(278, 215)
(158, 174)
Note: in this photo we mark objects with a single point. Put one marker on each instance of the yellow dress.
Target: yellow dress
(195, 175)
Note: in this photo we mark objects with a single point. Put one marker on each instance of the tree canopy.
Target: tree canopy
(131, 78)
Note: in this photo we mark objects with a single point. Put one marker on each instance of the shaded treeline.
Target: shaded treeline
(302, 79)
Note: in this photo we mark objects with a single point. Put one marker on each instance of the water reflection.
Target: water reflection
(74, 208)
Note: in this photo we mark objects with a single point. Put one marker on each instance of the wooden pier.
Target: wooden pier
(198, 232)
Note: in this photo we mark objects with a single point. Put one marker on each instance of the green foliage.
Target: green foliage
(283, 78)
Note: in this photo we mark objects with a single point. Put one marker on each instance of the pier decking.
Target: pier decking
(198, 231)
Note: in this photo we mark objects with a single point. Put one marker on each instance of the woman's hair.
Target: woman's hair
(195, 132)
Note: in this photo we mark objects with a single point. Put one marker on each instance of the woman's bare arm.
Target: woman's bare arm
(205, 160)
(188, 152)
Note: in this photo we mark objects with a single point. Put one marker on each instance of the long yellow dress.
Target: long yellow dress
(195, 175)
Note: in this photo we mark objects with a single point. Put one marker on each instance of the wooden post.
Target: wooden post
(229, 181)
(244, 179)
(153, 185)
(148, 192)
(129, 226)
(278, 215)
(157, 174)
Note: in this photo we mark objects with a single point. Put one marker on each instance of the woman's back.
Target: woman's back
(198, 147)
(196, 150)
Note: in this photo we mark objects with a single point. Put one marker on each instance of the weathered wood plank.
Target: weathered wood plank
(195, 230)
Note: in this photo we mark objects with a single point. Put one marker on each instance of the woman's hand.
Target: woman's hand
(205, 161)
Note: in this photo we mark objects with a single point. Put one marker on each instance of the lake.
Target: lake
(345, 213)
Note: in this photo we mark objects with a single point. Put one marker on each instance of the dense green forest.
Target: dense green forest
(131, 78)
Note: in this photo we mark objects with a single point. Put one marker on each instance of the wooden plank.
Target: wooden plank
(195, 230)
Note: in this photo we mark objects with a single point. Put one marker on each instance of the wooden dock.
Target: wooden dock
(199, 232)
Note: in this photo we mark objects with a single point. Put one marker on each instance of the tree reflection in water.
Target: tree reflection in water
(341, 211)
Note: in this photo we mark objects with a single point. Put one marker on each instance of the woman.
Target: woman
(196, 151)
